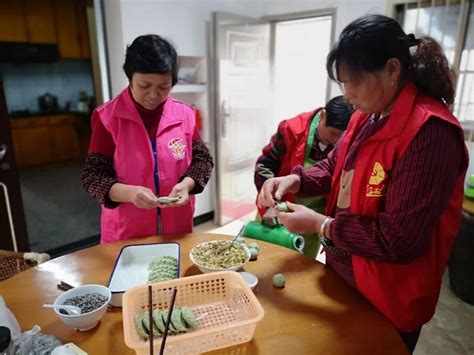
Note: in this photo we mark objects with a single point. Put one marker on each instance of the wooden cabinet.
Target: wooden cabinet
(31, 146)
(83, 29)
(64, 141)
(40, 21)
(44, 140)
(71, 23)
(12, 21)
(61, 22)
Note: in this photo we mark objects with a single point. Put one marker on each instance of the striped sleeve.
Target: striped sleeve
(201, 166)
(268, 164)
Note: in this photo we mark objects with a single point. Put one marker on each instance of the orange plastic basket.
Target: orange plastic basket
(225, 306)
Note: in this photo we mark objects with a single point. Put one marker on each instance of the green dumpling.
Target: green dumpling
(158, 319)
(171, 328)
(139, 326)
(146, 323)
(177, 321)
(189, 317)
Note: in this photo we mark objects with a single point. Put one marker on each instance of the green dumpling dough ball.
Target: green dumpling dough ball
(240, 240)
(279, 280)
(282, 207)
(189, 317)
(253, 254)
(254, 245)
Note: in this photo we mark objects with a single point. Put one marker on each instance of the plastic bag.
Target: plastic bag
(7, 319)
(33, 342)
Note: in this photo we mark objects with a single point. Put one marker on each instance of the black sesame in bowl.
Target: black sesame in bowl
(87, 303)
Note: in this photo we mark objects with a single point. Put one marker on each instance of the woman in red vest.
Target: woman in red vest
(394, 180)
(303, 140)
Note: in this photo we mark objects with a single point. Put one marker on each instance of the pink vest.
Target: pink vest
(134, 164)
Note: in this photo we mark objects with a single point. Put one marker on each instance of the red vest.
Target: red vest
(405, 293)
(295, 135)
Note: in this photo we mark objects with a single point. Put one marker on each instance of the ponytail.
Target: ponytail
(430, 71)
(366, 44)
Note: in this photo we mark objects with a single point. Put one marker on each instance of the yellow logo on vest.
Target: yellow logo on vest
(376, 185)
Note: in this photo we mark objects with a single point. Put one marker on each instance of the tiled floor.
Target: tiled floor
(450, 332)
(57, 209)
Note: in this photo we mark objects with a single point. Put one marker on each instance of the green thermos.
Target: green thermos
(278, 235)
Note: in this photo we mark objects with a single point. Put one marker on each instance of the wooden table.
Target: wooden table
(316, 312)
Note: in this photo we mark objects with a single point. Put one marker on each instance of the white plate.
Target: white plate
(250, 278)
(131, 267)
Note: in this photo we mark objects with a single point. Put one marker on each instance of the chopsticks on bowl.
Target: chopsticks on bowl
(168, 320)
(150, 317)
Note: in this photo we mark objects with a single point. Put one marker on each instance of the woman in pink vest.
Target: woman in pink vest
(145, 145)
(394, 180)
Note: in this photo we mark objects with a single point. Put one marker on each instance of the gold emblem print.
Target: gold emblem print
(376, 185)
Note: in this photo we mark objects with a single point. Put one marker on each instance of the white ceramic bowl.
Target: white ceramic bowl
(207, 269)
(88, 320)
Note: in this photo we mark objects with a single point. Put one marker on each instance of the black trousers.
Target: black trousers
(410, 339)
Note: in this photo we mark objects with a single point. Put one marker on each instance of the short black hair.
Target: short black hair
(338, 112)
(151, 54)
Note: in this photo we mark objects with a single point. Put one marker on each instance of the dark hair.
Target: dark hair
(151, 54)
(338, 113)
(368, 42)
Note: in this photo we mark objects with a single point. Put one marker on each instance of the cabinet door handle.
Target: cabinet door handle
(3, 151)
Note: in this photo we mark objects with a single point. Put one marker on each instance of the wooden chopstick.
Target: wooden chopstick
(64, 286)
(168, 320)
(150, 318)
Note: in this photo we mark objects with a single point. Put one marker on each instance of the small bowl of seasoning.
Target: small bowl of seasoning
(91, 299)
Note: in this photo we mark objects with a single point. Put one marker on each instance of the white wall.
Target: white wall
(183, 22)
(114, 31)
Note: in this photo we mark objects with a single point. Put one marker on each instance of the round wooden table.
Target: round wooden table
(315, 313)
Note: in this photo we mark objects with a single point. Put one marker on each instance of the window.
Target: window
(451, 23)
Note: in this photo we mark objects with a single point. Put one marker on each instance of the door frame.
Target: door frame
(213, 75)
(11, 203)
(215, 99)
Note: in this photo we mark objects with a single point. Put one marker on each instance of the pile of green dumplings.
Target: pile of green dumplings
(182, 320)
(162, 268)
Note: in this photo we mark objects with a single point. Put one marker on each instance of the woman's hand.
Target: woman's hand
(142, 197)
(276, 188)
(301, 219)
(181, 191)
